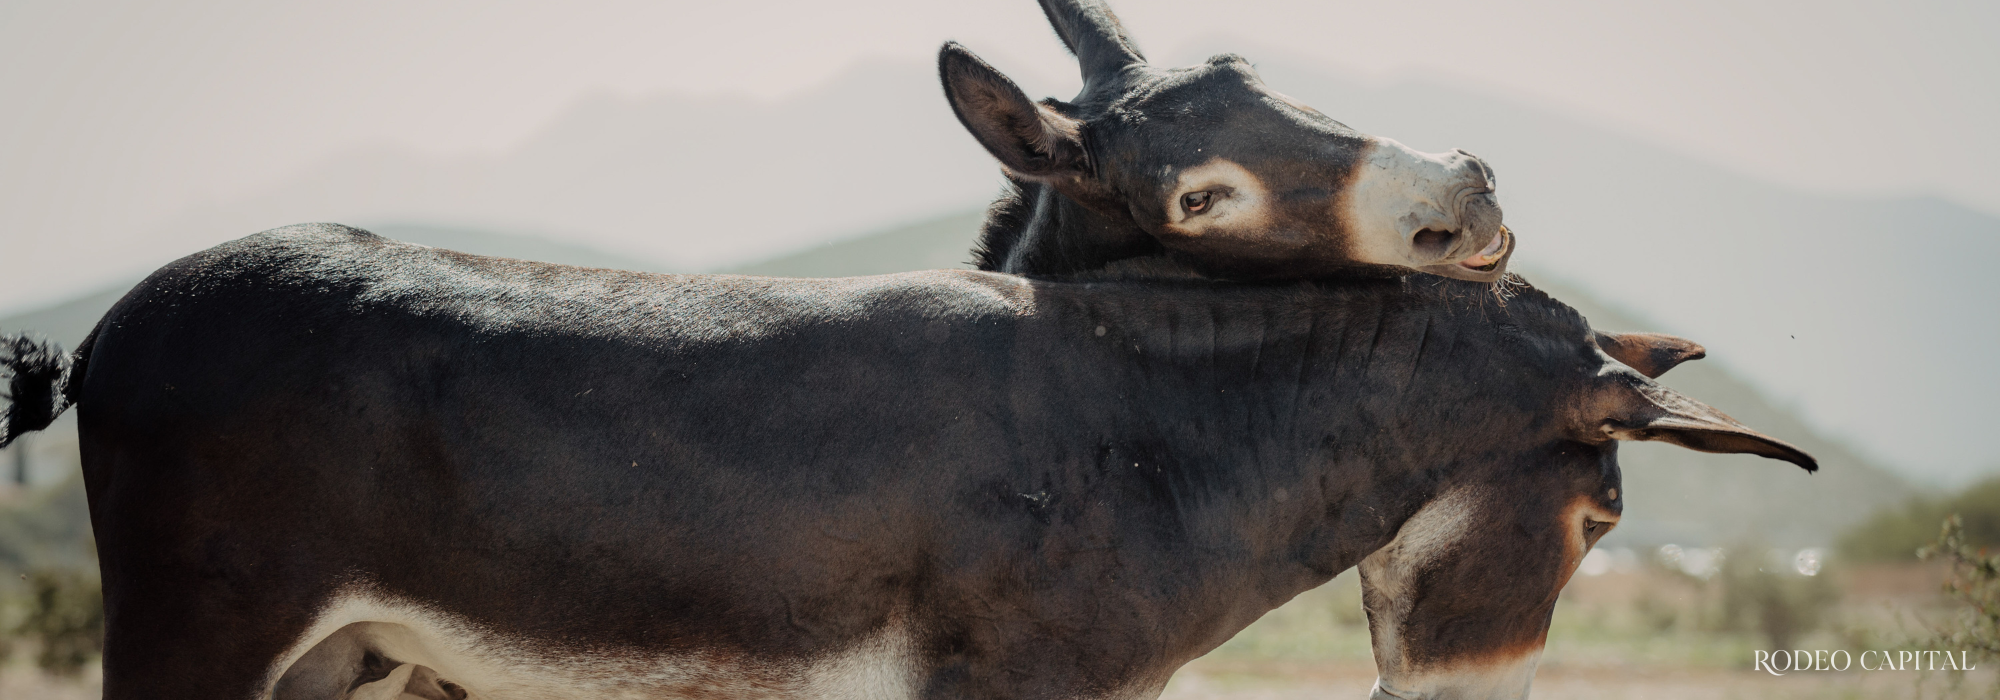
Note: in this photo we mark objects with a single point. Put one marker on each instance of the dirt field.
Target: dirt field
(1208, 680)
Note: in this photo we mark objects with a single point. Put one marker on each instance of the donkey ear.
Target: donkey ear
(1032, 140)
(1095, 36)
(1643, 410)
(1650, 353)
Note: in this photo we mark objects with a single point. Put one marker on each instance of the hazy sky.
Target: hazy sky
(1867, 97)
(121, 115)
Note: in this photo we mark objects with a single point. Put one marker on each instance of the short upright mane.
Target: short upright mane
(1523, 301)
(1006, 218)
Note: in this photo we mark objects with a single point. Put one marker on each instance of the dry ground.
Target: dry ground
(1317, 647)
(1207, 679)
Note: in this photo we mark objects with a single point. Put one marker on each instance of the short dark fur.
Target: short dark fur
(1063, 488)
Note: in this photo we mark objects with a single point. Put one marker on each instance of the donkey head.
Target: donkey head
(1459, 600)
(1208, 166)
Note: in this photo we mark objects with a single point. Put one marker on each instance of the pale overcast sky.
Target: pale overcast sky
(121, 115)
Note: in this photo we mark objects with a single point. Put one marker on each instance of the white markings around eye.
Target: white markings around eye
(1240, 206)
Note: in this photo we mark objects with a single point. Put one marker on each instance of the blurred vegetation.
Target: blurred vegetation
(1896, 533)
(1973, 581)
(1758, 591)
(65, 619)
(1325, 622)
(51, 605)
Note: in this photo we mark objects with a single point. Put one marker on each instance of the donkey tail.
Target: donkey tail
(37, 391)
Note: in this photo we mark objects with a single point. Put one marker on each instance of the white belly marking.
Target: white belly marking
(326, 660)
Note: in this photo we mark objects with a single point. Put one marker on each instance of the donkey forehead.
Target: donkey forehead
(1222, 103)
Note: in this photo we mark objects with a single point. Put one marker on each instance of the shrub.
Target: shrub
(1973, 580)
(1897, 532)
(66, 618)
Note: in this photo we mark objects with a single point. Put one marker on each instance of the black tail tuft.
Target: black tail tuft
(35, 393)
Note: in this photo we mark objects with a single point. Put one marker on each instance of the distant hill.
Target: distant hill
(1673, 495)
(936, 244)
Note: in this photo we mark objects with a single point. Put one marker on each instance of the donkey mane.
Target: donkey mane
(1014, 212)
(1006, 218)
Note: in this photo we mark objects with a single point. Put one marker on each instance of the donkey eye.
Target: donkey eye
(1197, 202)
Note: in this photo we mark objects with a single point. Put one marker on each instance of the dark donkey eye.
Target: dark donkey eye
(1197, 202)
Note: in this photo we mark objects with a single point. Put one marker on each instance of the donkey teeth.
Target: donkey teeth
(1490, 257)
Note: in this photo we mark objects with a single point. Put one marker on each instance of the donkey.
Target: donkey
(1207, 170)
(322, 464)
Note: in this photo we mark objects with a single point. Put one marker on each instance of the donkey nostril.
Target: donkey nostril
(1432, 242)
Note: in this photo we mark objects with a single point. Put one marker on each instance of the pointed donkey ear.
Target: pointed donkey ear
(1650, 353)
(1643, 410)
(1032, 140)
(1095, 36)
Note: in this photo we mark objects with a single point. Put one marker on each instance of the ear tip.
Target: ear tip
(954, 53)
(956, 61)
(957, 51)
(1796, 456)
(1773, 448)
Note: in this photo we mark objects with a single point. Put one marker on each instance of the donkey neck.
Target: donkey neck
(1283, 426)
(1035, 229)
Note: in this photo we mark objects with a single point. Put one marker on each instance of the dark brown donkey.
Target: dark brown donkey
(326, 465)
(1208, 168)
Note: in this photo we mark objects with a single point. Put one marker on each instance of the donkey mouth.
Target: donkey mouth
(1489, 258)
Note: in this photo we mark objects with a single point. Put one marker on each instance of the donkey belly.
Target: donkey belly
(366, 645)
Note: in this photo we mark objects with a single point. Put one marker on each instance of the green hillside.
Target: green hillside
(940, 243)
